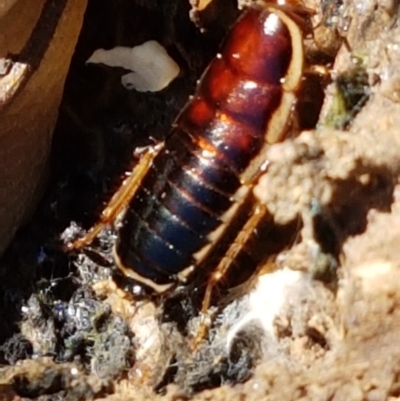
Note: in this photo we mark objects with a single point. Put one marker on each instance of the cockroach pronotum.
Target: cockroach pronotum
(186, 192)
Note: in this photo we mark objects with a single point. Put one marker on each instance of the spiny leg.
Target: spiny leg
(259, 213)
(121, 198)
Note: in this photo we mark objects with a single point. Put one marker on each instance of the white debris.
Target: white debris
(11, 77)
(152, 68)
(271, 294)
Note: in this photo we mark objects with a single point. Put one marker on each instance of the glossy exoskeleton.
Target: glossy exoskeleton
(186, 191)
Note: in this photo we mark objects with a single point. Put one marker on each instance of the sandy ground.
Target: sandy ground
(322, 324)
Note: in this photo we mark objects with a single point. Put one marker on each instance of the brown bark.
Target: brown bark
(41, 35)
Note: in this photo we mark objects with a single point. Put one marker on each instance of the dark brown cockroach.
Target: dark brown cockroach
(186, 192)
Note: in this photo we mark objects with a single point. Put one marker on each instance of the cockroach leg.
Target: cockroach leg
(259, 214)
(299, 13)
(320, 70)
(121, 198)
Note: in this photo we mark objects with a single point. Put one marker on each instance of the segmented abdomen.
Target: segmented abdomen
(193, 179)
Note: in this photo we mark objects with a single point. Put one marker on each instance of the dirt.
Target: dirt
(321, 319)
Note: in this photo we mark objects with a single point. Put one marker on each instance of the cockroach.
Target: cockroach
(187, 191)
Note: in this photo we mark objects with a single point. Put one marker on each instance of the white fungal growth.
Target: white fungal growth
(152, 68)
